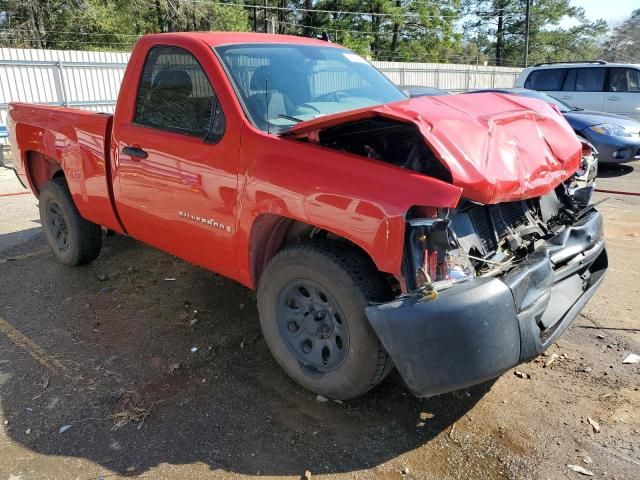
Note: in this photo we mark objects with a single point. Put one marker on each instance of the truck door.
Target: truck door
(175, 184)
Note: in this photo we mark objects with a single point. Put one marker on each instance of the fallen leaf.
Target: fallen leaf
(64, 428)
(581, 470)
(595, 425)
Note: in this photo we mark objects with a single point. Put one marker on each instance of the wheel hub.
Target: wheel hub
(58, 226)
(313, 326)
(318, 323)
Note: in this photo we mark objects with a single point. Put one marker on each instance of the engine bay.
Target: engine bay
(391, 141)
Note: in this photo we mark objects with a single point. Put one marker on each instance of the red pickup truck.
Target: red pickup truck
(440, 235)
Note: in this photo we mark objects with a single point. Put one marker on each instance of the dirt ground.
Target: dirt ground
(113, 370)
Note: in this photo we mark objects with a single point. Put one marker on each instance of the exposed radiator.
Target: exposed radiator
(492, 222)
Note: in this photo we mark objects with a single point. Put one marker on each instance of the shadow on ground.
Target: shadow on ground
(606, 170)
(9, 240)
(151, 360)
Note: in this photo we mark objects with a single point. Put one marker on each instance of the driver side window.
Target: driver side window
(175, 93)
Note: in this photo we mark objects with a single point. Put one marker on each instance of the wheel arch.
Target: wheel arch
(41, 168)
(271, 232)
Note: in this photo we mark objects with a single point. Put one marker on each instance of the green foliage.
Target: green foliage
(624, 43)
(109, 24)
(392, 29)
(462, 31)
(500, 32)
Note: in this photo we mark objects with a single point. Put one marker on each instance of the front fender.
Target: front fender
(360, 199)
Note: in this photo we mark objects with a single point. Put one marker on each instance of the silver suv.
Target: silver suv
(599, 86)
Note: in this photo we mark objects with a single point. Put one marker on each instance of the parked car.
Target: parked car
(438, 236)
(597, 86)
(616, 138)
(414, 91)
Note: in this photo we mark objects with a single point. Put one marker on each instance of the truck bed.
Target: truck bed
(74, 141)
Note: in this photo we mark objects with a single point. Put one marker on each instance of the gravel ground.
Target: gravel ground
(110, 370)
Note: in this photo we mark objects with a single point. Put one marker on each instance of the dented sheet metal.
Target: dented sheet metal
(498, 148)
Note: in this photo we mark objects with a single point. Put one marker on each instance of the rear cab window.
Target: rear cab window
(175, 93)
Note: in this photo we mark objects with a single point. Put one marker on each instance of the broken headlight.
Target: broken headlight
(432, 256)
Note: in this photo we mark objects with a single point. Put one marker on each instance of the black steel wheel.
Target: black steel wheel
(72, 239)
(58, 226)
(311, 299)
(311, 323)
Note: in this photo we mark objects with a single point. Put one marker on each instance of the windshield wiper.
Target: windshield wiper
(289, 117)
(576, 109)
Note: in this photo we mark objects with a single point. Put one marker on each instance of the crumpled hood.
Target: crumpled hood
(497, 147)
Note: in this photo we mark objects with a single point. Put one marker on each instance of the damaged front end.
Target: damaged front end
(490, 286)
(493, 282)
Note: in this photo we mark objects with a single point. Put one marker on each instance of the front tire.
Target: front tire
(311, 299)
(72, 239)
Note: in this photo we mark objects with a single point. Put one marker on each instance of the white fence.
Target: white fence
(91, 80)
(451, 77)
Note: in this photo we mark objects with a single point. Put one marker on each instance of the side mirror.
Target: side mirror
(217, 123)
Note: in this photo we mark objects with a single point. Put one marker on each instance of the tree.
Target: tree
(391, 29)
(502, 22)
(623, 44)
(402, 30)
(109, 24)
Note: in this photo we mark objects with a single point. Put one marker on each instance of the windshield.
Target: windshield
(281, 85)
(562, 106)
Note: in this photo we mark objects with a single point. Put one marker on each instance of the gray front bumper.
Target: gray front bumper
(478, 329)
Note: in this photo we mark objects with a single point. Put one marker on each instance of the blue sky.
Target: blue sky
(613, 11)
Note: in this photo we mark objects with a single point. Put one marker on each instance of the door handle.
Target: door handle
(614, 99)
(134, 152)
(566, 97)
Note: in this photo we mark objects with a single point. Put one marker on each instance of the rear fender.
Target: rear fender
(53, 139)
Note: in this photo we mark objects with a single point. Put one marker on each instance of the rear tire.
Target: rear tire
(72, 239)
(311, 299)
